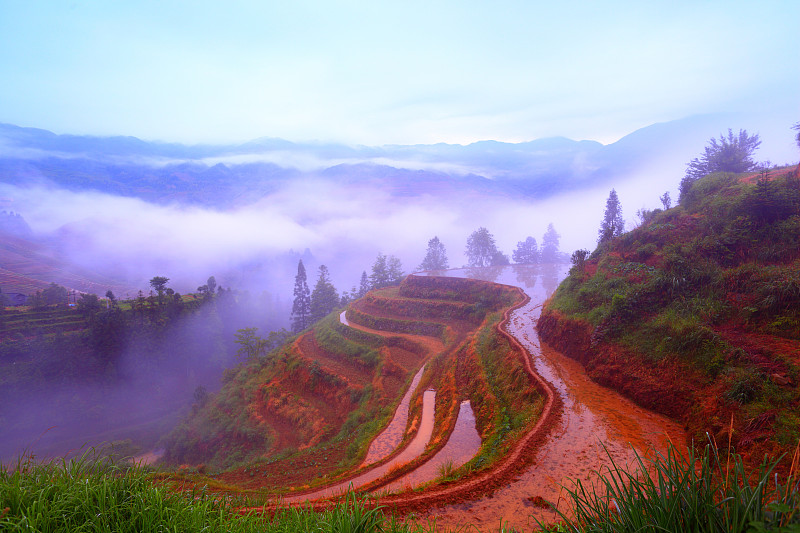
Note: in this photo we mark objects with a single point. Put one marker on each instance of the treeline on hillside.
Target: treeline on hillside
(310, 306)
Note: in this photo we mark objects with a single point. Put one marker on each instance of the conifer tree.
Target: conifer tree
(380, 275)
(386, 271)
(324, 298)
(666, 201)
(527, 252)
(301, 307)
(613, 224)
(733, 153)
(436, 256)
(394, 270)
(363, 287)
(550, 242)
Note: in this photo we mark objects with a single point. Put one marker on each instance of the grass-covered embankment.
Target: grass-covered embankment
(696, 313)
(703, 492)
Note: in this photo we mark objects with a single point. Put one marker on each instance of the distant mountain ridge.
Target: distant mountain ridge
(224, 176)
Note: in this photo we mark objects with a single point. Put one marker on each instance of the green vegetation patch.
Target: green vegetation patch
(713, 284)
(516, 403)
(701, 492)
(90, 494)
(397, 325)
(330, 338)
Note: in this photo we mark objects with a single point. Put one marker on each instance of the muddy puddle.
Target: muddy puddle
(596, 423)
(462, 445)
(388, 440)
(413, 450)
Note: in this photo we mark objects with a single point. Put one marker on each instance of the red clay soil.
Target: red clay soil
(668, 387)
(763, 349)
(773, 174)
(484, 482)
(674, 389)
(444, 423)
(296, 472)
(395, 356)
(431, 344)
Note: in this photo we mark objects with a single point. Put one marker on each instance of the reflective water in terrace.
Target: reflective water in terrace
(462, 445)
(413, 450)
(596, 422)
(385, 443)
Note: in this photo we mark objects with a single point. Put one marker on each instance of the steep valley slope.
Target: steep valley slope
(696, 313)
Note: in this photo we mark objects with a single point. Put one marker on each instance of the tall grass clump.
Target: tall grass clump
(701, 492)
(91, 494)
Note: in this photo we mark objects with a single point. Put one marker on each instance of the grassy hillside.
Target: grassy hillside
(696, 313)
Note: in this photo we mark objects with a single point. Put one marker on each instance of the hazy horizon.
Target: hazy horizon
(379, 74)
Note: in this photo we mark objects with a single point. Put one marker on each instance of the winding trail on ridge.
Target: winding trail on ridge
(388, 439)
(502, 472)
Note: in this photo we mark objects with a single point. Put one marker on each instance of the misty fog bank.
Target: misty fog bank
(248, 225)
(256, 247)
(127, 374)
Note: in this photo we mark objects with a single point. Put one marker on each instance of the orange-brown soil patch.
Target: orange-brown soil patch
(677, 390)
(773, 174)
(430, 344)
(766, 351)
(288, 473)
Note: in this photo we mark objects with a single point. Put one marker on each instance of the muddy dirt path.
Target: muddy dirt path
(596, 422)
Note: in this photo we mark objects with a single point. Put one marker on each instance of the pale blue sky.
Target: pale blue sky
(375, 72)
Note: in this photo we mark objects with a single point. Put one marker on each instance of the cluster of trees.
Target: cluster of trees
(482, 251)
(54, 294)
(733, 153)
(527, 251)
(310, 306)
(115, 362)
